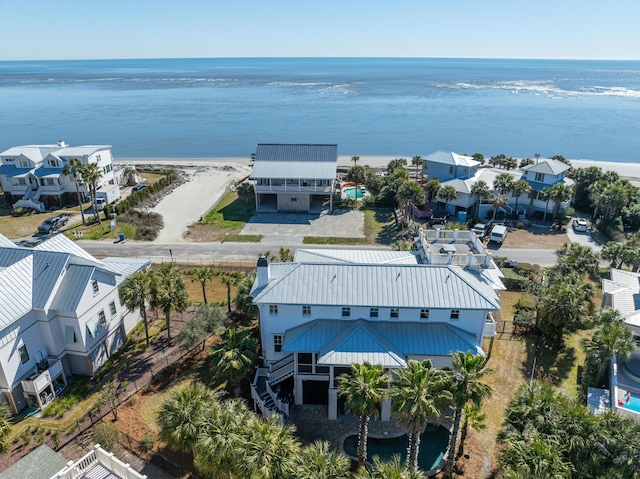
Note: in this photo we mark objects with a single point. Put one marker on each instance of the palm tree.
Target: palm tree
(498, 201)
(74, 169)
(230, 279)
(319, 461)
(447, 193)
(135, 293)
(181, 415)
(474, 419)
(614, 252)
(363, 390)
(503, 183)
(219, 435)
(246, 192)
(559, 193)
(355, 159)
(417, 161)
(432, 188)
(171, 292)
(392, 469)
(130, 174)
(203, 276)
(91, 175)
(545, 195)
(243, 299)
(357, 175)
(576, 258)
(480, 189)
(468, 370)
(234, 355)
(268, 452)
(6, 423)
(519, 188)
(566, 302)
(419, 394)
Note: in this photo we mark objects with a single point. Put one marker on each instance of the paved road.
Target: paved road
(250, 251)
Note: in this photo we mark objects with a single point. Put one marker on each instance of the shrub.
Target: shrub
(527, 302)
(524, 318)
(106, 434)
(147, 442)
(513, 281)
(526, 269)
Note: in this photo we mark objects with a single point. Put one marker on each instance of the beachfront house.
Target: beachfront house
(31, 176)
(462, 173)
(294, 178)
(329, 309)
(60, 314)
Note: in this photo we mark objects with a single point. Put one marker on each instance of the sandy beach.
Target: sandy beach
(209, 179)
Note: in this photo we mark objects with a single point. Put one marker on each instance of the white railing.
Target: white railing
(36, 205)
(40, 382)
(311, 189)
(94, 459)
(282, 372)
(282, 406)
(490, 327)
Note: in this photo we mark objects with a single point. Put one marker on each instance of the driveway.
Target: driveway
(583, 238)
(291, 228)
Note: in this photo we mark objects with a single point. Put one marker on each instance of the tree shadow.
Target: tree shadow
(238, 210)
(552, 363)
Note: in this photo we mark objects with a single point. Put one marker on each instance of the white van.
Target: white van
(498, 234)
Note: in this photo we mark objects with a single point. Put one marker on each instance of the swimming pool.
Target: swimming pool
(351, 192)
(634, 404)
(433, 445)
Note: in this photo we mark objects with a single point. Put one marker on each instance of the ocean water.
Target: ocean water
(171, 108)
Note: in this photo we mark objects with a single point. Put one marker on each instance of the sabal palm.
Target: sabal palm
(609, 340)
(181, 415)
(135, 293)
(74, 169)
(203, 276)
(539, 457)
(615, 252)
(91, 175)
(218, 438)
(268, 452)
(433, 187)
(419, 394)
(480, 189)
(234, 355)
(320, 461)
(560, 193)
(474, 420)
(243, 299)
(519, 188)
(503, 183)
(545, 195)
(467, 371)
(171, 292)
(6, 423)
(230, 279)
(417, 161)
(498, 201)
(363, 390)
(447, 193)
(391, 469)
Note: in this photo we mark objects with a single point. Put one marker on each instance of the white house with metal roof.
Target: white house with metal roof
(622, 292)
(60, 314)
(331, 308)
(32, 174)
(298, 178)
(444, 165)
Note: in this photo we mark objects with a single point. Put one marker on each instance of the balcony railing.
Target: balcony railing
(38, 382)
(98, 463)
(490, 327)
(292, 188)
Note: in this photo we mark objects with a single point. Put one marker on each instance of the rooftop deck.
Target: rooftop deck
(457, 247)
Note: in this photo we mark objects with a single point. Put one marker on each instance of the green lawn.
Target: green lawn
(103, 231)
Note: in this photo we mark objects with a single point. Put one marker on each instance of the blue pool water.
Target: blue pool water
(351, 192)
(634, 404)
(433, 445)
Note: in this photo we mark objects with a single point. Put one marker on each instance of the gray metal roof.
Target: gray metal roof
(295, 161)
(124, 267)
(624, 290)
(409, 286)
(72, 287)
(33, 152)
(364, 256)
(62, 244)
(548, 167)
(343, 342)
(41, 463)
(7, 243)
(15, 283)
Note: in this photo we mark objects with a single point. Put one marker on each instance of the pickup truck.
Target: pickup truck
(54, 223)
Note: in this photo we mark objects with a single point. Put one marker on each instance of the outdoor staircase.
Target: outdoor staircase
(281, 370)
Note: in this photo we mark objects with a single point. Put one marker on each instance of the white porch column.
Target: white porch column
(333, 403)
(298, 391)
(455, 235)
(385, 410)
(487, 260)
(469, 259)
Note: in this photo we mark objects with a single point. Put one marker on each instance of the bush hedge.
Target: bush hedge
(135, 199)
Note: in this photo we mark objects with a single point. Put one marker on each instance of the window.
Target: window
(24, 163)
(102, 319)
(539, 176)
(22, 181)
(112, 308)
(373, 313)
(306, 311)
(395, 312)
(273, 309)
(294, 200)
(451, 170)
(70, 334)
(49, 181)
(107, 169)
(9, 160)
(94, 285)
(98, 158)
(455, 314)
(277, 343)
(24, 355)
(424, 314)
(346, 312)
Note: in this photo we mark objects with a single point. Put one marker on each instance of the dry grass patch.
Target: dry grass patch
(216, 291)
(535, 238)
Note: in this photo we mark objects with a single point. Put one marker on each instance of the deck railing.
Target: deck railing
(94, 459)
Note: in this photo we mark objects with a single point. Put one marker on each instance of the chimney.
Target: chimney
(264, 273)
(61, 143)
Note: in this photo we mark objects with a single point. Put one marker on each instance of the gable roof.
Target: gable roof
(288, 161)
(624, 290)
(387, 285)
(548, 167)
(373, 256)
(340, 342)
(16, 278)
(450, 158)
(72, 287)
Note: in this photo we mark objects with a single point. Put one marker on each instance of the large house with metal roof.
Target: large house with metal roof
(622, 292)
(463, 172)
(60, 314)
(296, 178)
(329, 309)
(32, 175)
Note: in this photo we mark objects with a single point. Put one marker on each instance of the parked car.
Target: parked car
(480, 230)
(498, 234)
(580, 224)
(54, 223)
(138, 187)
